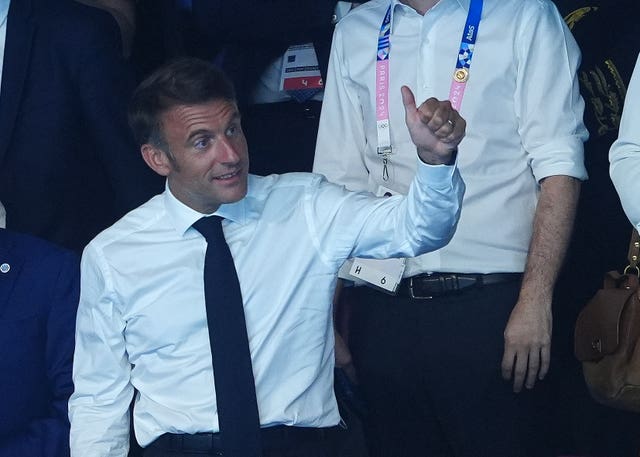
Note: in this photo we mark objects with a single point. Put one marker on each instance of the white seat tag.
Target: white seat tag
(384, 274)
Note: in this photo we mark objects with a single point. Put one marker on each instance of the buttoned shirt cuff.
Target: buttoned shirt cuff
(435, 176)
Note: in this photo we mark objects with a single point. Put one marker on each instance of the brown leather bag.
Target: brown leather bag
(607, 337)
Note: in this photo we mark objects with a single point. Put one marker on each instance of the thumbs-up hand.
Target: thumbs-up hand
(435, 128)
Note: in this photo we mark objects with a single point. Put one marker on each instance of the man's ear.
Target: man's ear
(156, 159)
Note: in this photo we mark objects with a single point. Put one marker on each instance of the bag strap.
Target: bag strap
(634, 253)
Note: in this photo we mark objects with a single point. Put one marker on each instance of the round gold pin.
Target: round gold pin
(461, 75)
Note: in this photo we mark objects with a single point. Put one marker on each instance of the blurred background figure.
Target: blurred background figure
(124, 12)
(68, 165)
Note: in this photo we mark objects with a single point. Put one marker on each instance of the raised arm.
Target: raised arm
(424, 220)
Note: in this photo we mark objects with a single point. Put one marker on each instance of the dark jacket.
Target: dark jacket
(39, 287)
(68, 165)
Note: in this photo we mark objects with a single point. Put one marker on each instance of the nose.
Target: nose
(229, 153)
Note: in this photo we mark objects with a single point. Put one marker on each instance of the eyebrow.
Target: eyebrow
(235, 118)
(199, 132)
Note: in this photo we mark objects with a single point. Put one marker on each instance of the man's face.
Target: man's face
(207, 162)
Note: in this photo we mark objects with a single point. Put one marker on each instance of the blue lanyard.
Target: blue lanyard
(468, 41)
(460, 75)
(382, 92)
(384, 45)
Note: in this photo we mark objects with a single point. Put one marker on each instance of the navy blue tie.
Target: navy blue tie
(235, 386)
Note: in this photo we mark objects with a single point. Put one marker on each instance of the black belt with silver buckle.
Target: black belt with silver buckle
(429, 285)
(211, 444)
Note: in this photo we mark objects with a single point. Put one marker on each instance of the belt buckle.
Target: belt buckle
(413, 295)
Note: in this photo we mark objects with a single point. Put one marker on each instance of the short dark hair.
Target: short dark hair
(185, 81)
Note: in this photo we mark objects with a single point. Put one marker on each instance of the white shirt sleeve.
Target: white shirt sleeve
(341, 141)
(347, 224)
(548, 104)
(625, 152)
(99, 405)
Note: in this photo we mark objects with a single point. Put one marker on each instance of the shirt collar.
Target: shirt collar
(183, 217)
(395, 4)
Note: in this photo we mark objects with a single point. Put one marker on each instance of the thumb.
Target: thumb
(408, 100)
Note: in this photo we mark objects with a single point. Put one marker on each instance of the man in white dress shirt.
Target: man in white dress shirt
(141, 319)
(463, 313)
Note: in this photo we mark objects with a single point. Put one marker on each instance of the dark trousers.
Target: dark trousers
(278, 441)
(430, 373)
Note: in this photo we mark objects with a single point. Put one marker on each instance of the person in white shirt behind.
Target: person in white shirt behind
(625, 152)
(142, 320)
(479, 309)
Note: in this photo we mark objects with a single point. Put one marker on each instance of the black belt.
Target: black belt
(430, 285)
(211, 443)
